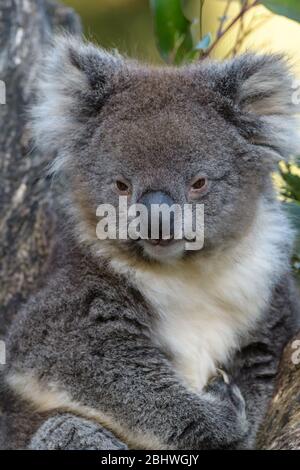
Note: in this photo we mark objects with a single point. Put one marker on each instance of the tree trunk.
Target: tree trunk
(281, 427)
(27, 222)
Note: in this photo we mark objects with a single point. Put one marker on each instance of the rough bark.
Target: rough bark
(281, 427)
(27, 222)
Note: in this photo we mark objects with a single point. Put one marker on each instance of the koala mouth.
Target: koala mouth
(163, 250)
(161, 242)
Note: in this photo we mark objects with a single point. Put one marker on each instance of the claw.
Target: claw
(224, 375)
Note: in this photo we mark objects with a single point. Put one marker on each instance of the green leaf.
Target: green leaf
(172, 30)
(289, 8)
(185, 50)
(291, 189)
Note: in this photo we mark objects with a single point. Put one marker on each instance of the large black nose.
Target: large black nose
(160, 222)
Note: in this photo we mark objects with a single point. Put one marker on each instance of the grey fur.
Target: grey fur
(67, 432)
(90, 330)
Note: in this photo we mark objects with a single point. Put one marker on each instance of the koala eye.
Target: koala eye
(122, 186)
(198, 186)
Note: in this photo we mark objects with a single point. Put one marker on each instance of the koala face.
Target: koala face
(205, 134)
(171, 151)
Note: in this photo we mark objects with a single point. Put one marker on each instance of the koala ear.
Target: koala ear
(74, 82)
(261, 88)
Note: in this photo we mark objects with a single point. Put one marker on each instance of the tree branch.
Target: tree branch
(235, 20)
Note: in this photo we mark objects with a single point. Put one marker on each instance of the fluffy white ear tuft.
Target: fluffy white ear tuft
(262, 89)
(74, 81)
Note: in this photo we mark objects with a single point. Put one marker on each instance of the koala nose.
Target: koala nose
(157, 218)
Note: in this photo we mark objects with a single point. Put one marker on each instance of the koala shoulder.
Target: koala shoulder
(72, 295)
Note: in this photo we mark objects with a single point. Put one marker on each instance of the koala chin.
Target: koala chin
(164, 253)
(126, 339)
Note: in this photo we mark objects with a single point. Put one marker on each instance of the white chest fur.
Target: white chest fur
(195, 326)
(204, 308)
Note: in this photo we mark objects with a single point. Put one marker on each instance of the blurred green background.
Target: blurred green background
(122, 24)
(128, 26)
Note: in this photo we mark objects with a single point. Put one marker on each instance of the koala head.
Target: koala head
(208, 133)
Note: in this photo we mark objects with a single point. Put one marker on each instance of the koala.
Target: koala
(141, 343)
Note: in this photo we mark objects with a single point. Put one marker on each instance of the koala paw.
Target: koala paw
(69, 432)
(231, 424)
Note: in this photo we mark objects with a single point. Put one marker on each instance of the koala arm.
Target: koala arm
(138, 387)
(65, 431)
(130, 382)
(96, 358)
